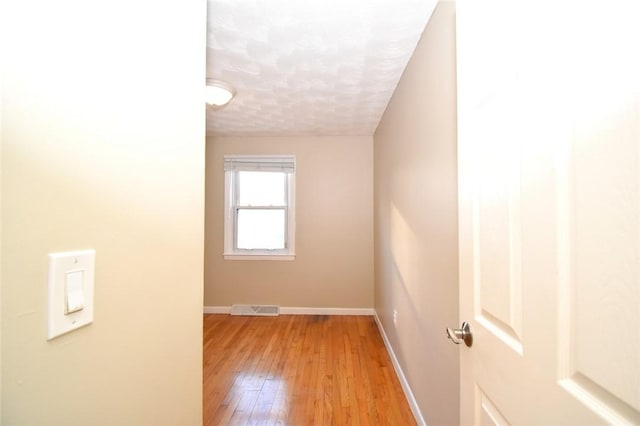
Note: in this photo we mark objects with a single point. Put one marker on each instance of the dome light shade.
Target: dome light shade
(218, 93)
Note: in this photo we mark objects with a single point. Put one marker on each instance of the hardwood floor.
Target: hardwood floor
(299, 370)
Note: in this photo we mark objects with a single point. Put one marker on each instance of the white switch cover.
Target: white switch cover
(70, 291)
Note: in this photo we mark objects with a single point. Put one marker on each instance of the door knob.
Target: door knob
(462, 334)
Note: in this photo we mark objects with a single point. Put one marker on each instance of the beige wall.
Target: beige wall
(334, 227)
(2, 41)
(416, 220)
(103, 147)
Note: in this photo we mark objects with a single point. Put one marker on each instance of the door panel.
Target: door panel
(600, 300)
(549, 187)
(600, 232)
(487, 412)
(496, 215)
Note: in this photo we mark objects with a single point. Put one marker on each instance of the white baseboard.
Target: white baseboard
(217, 309)
(413, 404)
(300, 311)
(326, 311)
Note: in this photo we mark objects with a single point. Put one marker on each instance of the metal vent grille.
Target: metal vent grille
(258, 310)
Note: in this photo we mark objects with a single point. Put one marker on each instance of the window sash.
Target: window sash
(251, 250)
(237, 189)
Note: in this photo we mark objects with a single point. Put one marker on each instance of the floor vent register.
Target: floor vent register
(256, 310)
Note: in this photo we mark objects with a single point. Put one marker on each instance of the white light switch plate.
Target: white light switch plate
(70, 291)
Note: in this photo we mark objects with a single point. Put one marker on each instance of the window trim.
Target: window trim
(237, 163)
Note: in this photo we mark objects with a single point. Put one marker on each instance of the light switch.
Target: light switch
(70, 291)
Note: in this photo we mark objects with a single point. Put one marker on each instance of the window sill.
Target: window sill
(245, 256)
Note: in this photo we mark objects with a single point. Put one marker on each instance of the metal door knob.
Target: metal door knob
(462, 334)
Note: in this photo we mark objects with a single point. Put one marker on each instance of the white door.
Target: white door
(549, 177)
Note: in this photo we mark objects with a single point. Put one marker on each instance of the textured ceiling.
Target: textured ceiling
(309, 67)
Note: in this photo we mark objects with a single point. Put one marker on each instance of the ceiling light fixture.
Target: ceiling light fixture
(218, 93)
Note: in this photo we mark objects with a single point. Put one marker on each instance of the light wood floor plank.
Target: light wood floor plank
(299, 370)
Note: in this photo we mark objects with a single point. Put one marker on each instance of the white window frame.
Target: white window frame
(237, 163)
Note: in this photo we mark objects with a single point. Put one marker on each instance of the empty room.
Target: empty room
(239, 212)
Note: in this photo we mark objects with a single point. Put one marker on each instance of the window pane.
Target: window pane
(261, 229)
(261, 189)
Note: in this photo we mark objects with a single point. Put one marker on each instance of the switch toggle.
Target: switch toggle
(74, 292)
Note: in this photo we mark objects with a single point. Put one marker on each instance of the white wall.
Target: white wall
(103, 147)
(416, 251)
(333, 267)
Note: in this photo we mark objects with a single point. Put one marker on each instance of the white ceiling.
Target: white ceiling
(309, 67)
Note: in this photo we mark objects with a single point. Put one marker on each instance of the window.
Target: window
(259, 207)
